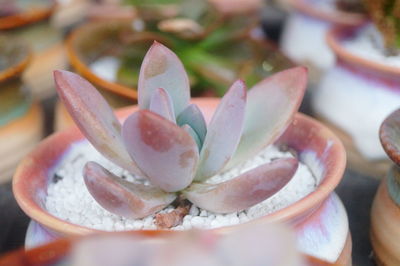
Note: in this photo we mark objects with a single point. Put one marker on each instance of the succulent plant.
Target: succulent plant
(168, 142)
(386, 16)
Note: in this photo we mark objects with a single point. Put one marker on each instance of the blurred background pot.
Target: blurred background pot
(385, 213)
(21, 120)
(29, 22)
(303, 37)
(109, 55)
(355, 96)
(320, 219)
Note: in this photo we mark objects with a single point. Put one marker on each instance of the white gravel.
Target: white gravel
(69, 199)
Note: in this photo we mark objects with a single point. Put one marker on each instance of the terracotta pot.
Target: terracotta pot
(385, 213)
(94, 40)
(21, 121)
(56, 251)
(303, 37)
(31, 26)
(354, 97)
(320, 218)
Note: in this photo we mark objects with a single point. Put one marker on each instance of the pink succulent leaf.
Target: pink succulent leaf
(121, 197)
(161, 68)
(195, 119)
(161, 103)
(166, 153)
(223, 133)
(245, 190)
(94, 117)
(270, 108)
(193, 134)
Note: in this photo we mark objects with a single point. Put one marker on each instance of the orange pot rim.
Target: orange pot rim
(335, 16)
(27, 17)
(82, 68)
(17, 69)
(335, 37)
(24, 181)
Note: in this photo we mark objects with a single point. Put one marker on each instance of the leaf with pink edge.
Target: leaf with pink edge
(166, 153)
(94, 117)
(161, 104)
(270, 107)
(244, 191)
(122, 197)
(195, 119)
(161, 68)
(193, 134)
(223, 133)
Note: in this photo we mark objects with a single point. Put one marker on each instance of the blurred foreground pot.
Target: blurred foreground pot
(320, 219)
(21, 120)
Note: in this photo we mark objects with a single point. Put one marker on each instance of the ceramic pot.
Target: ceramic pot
(56, 252)
(319, 218)
(31, 26)
(354, 97)
(21, 120)
(303, 36)
(385, 213)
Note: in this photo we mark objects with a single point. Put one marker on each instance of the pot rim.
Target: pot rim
(129, 92)
(26, 17)
(23, 188)
(335, 16)
(334, 38)
(19, 67)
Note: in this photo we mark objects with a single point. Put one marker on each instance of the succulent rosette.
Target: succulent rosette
(169, 143)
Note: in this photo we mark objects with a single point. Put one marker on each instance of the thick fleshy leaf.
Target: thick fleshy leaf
(195, 119)
(161, 68)
(94, 117)
(244, 191)
(270, 107)
(161, 104)
(224, 132)
(389, 134)
(193, 134)
(166, 153)
(122, 197)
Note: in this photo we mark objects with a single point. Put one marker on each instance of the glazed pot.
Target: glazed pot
(385, 213)
(353, 98)
(57, 252)
(319, 218)
(31, 26)
(303, 37)
(21, 120)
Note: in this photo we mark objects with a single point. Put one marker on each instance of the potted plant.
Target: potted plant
(357, 94)
(385, 213)
(29, 22)
(303, 37)
(20, 118)
(214, 43)
(216, 190)
(276, 246)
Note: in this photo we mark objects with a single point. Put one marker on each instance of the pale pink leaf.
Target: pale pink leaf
(161, 104)
(270, 107)
(94, 117)
(223, 133)
(161, 68)
(166, 153)
(121, 197)
(245, 190)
